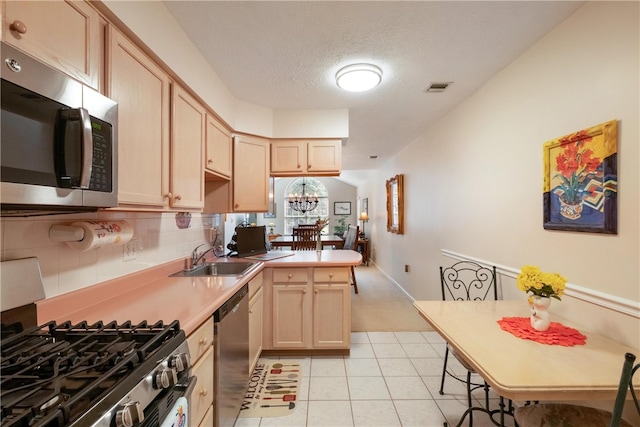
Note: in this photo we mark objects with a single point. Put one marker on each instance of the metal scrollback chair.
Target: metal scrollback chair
(304, 238)
(350, 243)
(467, 281)
(561, 414)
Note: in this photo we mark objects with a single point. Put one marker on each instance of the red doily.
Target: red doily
(557, 334)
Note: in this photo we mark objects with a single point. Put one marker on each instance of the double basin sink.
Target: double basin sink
(217, 269)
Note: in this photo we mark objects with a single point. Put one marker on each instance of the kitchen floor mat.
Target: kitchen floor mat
(273, 390)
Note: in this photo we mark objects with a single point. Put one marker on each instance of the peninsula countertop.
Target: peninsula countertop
(153, 295)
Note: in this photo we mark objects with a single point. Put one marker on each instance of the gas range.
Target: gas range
(101, 374)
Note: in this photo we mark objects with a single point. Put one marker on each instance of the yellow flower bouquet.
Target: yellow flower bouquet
(537, 283)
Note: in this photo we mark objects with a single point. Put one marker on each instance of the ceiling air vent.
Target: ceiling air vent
(438, 87)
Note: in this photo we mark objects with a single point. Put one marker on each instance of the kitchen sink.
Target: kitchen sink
(217, 269)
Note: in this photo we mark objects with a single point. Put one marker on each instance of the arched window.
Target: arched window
(314, 188)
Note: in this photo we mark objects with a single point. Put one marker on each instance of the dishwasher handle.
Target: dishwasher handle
(230, 305)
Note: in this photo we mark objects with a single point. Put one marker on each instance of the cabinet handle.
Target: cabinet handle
(178, 197)
(203, 392)
(316, 291)
(168, 196)
(209, 161)
(304, 291)
(290, 275)
(309, 166)
(203, 342)
(18, 27)
(331, 275)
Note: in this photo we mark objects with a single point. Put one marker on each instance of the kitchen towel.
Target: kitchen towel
(273, 390)
(102, 233)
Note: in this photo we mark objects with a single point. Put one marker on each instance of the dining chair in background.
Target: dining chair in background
(350, 243)
(561, 414)
(467, 281)
(304, 238)
(306, 226)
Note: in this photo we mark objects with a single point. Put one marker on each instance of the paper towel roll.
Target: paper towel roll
(102, 233)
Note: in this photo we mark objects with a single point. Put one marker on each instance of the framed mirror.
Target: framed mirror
(395, 203)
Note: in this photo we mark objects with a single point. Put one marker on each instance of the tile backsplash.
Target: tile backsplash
(159, 238)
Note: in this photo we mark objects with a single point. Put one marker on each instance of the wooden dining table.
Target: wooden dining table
(327, 240)
(521, 369)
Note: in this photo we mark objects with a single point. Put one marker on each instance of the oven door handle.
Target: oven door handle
(189, 386)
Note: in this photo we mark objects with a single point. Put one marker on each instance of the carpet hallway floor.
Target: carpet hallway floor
(379, 306)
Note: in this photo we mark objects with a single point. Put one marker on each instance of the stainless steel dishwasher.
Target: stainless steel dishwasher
(231, 362)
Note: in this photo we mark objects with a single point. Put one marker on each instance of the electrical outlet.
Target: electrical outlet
(129, 251)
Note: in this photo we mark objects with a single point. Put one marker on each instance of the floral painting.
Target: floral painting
(581, 180)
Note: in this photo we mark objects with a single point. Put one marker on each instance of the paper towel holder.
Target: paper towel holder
(65, 233)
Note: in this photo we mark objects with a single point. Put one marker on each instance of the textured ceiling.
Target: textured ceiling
(284, 55)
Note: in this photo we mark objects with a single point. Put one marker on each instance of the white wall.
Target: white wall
(158, 241)
(474, 181)
(319, 123)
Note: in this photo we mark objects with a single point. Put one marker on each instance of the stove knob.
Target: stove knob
(165, 378)
(180, 362)
(129, 415)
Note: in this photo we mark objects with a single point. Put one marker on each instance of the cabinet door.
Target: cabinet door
(288, 157)
(65, 34)
(255, 328)
(324, 157)
(250, 174)
(202, 396)
(200, 340)
(331, 316)
(187, 146)
(291, 316)
(218, 149)
(207, 421)
(141, 89)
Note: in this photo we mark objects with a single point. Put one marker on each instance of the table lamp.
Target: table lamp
(364, 218)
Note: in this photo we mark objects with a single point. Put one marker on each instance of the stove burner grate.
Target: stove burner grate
(54, 373)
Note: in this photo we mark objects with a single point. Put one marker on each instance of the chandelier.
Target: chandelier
(303, 202)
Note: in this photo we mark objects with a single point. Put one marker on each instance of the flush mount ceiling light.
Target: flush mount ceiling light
(359, 77)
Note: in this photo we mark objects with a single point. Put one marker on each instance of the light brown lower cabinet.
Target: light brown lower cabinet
(207, 421)
(307, 309)
(201, 350)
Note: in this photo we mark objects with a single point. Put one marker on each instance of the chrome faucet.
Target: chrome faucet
(197, 258)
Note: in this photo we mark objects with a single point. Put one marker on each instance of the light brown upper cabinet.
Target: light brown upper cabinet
(186, 182)
(317, 157)
(142, 91)
(218, 150)
(65, 34)
(250, 174)
(248, 191)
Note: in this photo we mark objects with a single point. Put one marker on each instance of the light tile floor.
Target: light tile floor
(389, 379)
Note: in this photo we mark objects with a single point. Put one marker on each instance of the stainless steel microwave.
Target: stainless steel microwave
(58, 141)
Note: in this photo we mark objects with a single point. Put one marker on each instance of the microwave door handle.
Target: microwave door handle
(87, 148)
